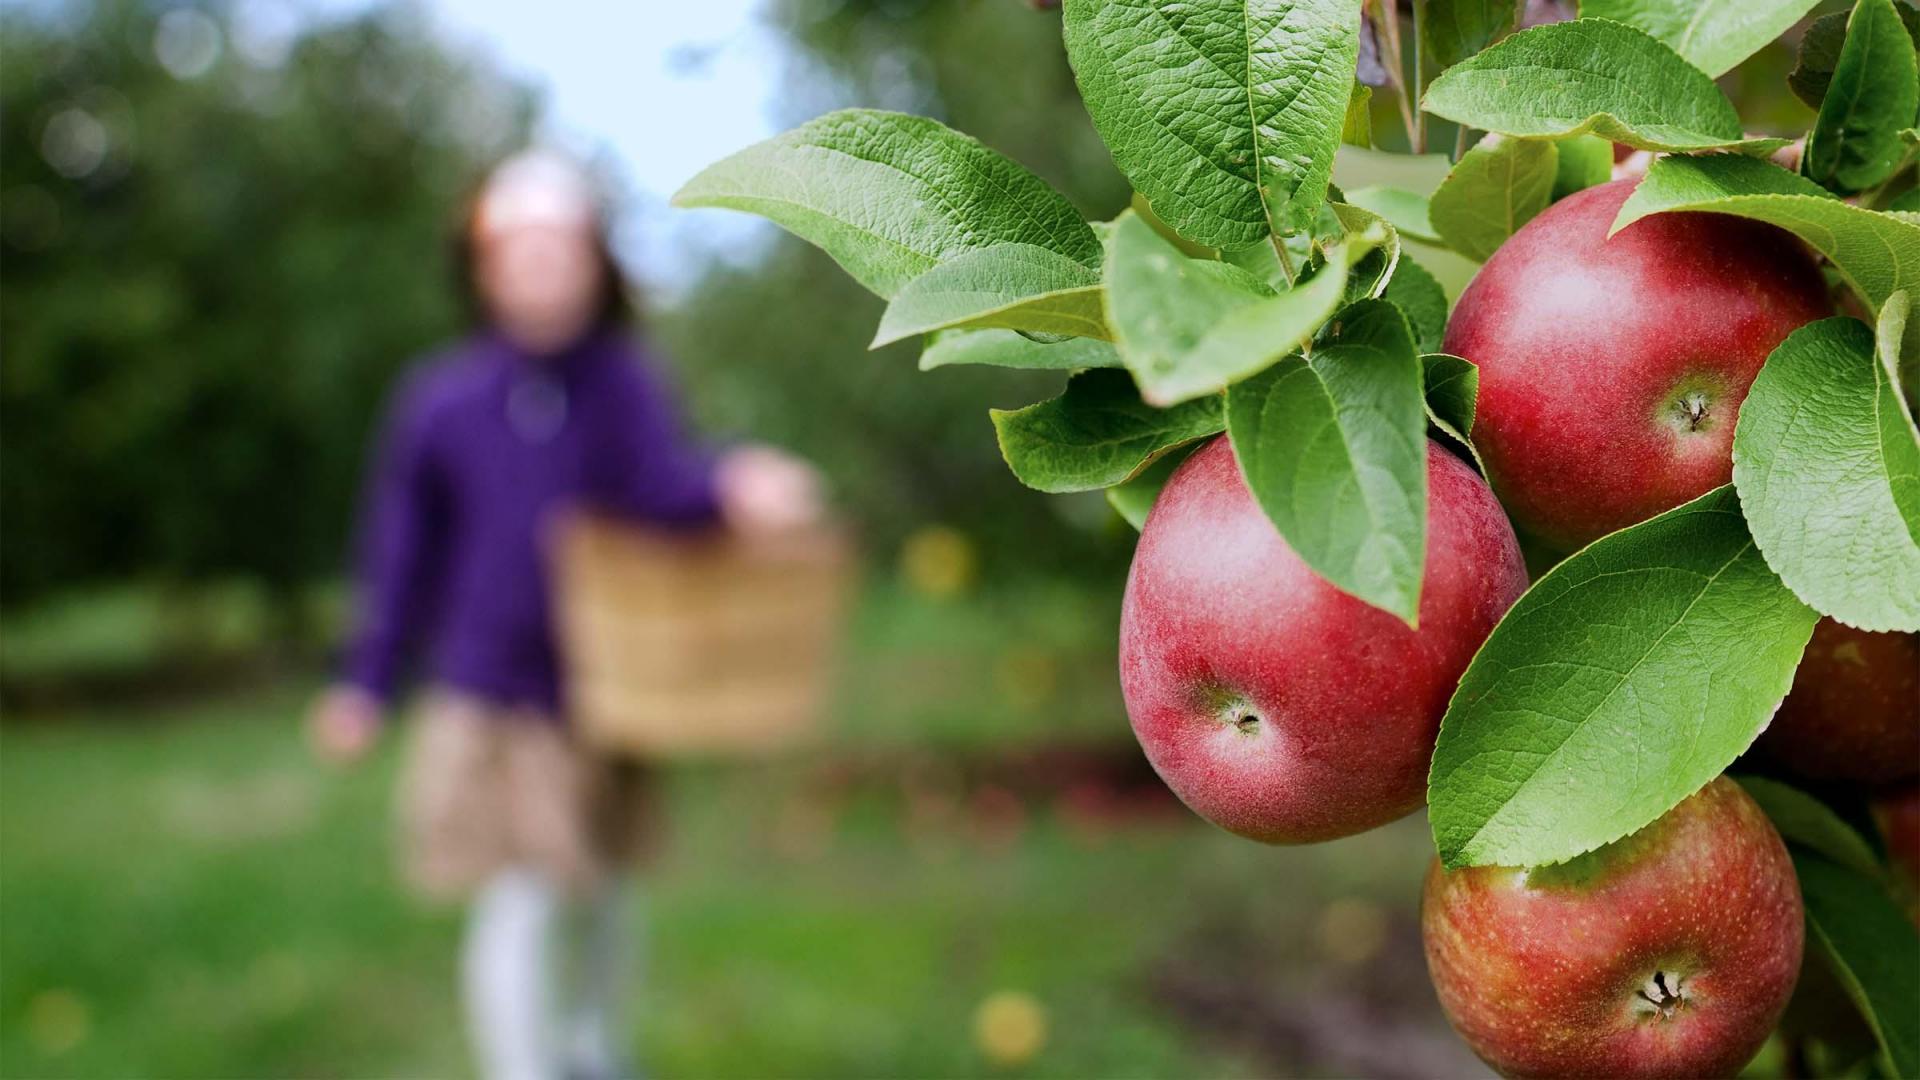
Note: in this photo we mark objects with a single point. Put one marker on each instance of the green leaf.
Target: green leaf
(1820, 52)
(1333, 448)
(890, 195)
(1008, 287)
(1620, 683)
(1495, 188)
(1873, 948)
(1188, 327)
(1134, 498)
(1225, 114)
(1456, 29)
(1096, 434)
(1452, 391)
(1907, 201)
(1712, 35)
(1007, 349)
(1817, 478)
(1584, 161)
(1877, 254)
(1897, 344)
(1419, 297)
(1872, 96)
(1357, 128)
(1591, 75)
(1370, 273)
(1405, 210)
(1805, 820)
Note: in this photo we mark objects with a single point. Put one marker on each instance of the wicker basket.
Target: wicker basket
(698, 644)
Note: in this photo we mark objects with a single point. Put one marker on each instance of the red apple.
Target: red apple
(1612, 369)
(1670, 953)
(1274, 704)
(1854, 711)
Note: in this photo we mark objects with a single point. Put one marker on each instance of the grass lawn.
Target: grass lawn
(183, 893)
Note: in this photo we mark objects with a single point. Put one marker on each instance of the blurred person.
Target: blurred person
(547, 406)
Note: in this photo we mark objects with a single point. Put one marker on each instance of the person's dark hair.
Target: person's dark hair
(616, 308)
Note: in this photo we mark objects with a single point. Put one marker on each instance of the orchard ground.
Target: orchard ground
(184, 893)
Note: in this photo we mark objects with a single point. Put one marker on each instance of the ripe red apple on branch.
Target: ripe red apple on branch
(1612, 368)
(1854, 711)
(1669, 953)
(1274, 704)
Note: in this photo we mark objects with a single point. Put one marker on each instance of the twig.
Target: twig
(1419, 85)
(1386, 20)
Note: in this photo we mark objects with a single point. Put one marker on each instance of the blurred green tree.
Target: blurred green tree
(779, 349)
(219, 245)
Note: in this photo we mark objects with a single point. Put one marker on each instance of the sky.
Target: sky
(651, 90)
(661, 88)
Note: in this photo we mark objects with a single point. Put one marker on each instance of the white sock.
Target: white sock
(604, 968)
(507, 976)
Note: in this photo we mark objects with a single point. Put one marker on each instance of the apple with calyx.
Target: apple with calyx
(1612, 368)
(1668, 953)
(1272, 703)
(1854, 711)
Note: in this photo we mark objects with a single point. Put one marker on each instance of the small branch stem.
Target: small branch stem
(1419, 85)
(1460, 143)
(1286, 260)
(1386, 21)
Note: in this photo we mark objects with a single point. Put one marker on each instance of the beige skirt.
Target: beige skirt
(485, 787)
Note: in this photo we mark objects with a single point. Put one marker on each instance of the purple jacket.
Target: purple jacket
(480, 448)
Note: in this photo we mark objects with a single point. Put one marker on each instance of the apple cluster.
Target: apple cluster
(1612, 370)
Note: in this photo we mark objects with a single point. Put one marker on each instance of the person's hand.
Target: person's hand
(763, 490)
(344, 724)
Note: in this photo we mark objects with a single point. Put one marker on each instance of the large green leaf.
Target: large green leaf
(1096, 434)
(1871, 97)
(1625, 679)
(1007, 349)
(1591, 75)
(1333, 448)
(1225, 114)
(1495, 188)
(1873, 947)
(1812, 824)
(1712, 35)
(890, 195)
(1821, 446)
(1876, 253)
(1189, 327)
(1008, 287)
(1456, 29)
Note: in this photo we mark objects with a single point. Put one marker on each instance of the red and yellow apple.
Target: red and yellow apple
(1612, 368)
(1274, 704)
(1669, 953)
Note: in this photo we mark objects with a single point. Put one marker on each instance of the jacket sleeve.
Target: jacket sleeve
(398, 547)
(647, 466)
